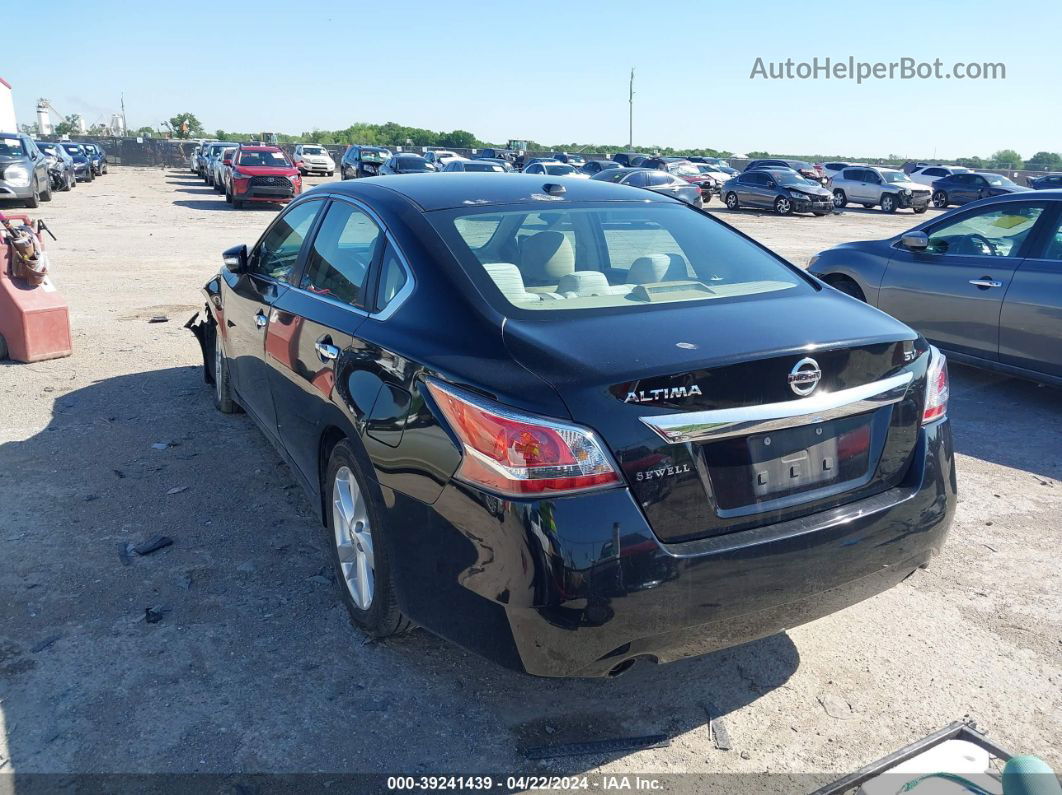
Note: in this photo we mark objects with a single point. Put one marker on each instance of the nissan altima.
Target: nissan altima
(570, 425)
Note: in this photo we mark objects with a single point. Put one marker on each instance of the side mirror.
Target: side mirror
(772, 184)
(235, 258)
(915, 241)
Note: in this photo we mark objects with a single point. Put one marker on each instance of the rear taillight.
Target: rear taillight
(937, 388)
(518, 455)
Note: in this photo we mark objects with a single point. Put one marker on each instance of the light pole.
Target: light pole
(630, 120)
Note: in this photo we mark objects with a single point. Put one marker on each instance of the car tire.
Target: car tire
(355, 534)
(732, 202)
(920, 210)
(888, 203)
(3, 349)
(68, 183)
(783, 206)
(228, 196)
(840, 199)
(223, 400)
(46, 194)
(91, 175)
(940, 199)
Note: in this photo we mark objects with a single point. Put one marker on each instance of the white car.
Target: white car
(555, 168)
(835, 167)
(927, 175)
(440, 157)
(313, 159)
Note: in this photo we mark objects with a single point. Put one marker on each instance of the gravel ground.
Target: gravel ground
(254, 667)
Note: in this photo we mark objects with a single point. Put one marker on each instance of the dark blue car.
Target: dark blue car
(971, 186)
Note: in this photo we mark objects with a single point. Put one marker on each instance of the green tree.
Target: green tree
(70, 125)
(186, 125)
(970, 162)
(1005, 158)
(144, 132)
(1044, 161)
(756, 154)
(462, 139)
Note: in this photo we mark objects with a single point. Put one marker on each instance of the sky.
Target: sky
(558, 72)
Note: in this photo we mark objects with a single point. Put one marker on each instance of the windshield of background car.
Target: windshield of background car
(74, 149)
(10, 146)
(608, 256)
(558, 170)
(413, 163)
(893, 176)
(997, 180)
(372, 156)
(482, 167)
(313, 150)
(267, 159)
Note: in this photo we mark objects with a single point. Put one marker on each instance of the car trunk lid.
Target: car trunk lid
(781, 454)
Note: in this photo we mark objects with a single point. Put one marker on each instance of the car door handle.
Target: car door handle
(985, 282)
(325, 349)
(260, 320)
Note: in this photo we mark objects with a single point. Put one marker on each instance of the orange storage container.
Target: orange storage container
(34, 321)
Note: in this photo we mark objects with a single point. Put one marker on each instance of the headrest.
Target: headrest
(584, 283)
(546, 257)
(510, 282)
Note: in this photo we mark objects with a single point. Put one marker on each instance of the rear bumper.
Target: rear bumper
(577, 586)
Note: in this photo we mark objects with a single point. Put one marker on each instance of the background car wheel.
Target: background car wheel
(237, 204)
(940, 199)
(228, 195)
(355, 532)
(223, 400)
(46, 194)
(783, 206)
(732, 201)
(3, 348)
(91, 176)
(839, 198)
(330, 173)
(888, 203)
(68, 183)
(920, 210)
(846, 285)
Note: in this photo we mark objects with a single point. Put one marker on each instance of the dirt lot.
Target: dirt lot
(254, 667)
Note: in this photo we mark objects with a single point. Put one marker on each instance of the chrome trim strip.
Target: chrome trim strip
(700, 426)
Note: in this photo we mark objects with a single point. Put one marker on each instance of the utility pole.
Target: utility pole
(630, 122)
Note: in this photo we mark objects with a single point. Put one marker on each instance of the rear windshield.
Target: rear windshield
(608, 257)
(274, 159)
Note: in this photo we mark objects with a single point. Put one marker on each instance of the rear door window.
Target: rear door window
(341, 254)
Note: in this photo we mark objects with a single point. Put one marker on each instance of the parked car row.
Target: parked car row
(250, 173)
(32, 171)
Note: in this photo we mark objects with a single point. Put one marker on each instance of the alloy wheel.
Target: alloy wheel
(782, 206)
(353, 539)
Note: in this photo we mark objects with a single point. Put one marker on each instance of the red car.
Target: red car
(262, 174)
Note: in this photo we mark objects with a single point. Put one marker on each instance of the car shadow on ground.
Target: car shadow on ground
(1007, 421)
(229, 650)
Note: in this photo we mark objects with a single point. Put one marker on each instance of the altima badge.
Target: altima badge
(805, 376)
(667, 393)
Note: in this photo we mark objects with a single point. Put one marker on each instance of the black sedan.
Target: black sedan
(656, 181)
(407, 164)
(98, 158)
(971, 186)
(802, 167)
(82, 162)
(570, 425)
(592, 167)
(984, 283)
(1046, 182)
(781, 190)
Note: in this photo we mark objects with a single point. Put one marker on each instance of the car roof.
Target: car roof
(248, 148)
(446, 191)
